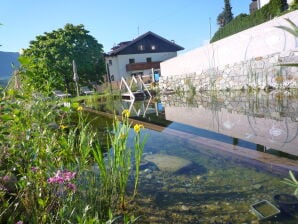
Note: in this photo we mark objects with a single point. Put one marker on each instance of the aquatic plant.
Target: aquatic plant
(115, 166)
(292, 182)
(138, 152)
(294, 31)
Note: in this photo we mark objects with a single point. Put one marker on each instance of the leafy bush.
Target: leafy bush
(242, 22)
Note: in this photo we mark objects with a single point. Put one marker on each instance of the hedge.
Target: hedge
(243, 21)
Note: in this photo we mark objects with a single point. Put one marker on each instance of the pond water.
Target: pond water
(209, 157)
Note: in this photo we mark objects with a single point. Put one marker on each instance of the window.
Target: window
(148, 59)
(110, 62)
(141, 47)
(131, 61)
(153, 47)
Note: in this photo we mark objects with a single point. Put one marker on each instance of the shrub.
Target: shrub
(242, 22)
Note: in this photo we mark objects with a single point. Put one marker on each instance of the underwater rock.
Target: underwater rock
(174, 164)
(168, 163)
(147, 171)
(149, 176)
(257, 187)
(144, 165)
(184, 208)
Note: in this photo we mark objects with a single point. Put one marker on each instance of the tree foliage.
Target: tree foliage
(242, 22)
(226, 15)
(47, 63)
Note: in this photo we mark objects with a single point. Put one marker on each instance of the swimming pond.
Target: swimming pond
(193, 174)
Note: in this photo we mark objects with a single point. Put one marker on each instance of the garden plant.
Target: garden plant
(47, 172)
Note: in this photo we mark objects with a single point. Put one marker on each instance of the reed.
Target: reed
(115, 167)
(293, 182)
(138, 152)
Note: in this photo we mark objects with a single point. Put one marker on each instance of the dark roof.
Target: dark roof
(122, 47)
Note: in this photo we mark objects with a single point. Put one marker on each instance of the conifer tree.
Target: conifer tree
(226, 15)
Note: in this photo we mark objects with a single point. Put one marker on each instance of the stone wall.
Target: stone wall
(256, 73)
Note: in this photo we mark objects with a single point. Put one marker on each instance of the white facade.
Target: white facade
(261, 3)
(259, 41)
(117, 64)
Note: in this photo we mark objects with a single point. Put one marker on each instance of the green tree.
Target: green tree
(226, 15)
(47, 63)
(220, 19)
(228, 12)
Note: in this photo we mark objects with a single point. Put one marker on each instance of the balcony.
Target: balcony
(142, 66)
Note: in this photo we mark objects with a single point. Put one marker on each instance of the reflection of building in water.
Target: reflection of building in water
(261, 119)
(143, 108)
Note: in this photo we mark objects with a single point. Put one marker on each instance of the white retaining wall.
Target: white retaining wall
(256, 42)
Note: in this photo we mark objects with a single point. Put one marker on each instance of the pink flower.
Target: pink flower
(19, 222)
(55, 179)
(71, 186)
(62, 176)
(6, 178)
(67, 175)
(34, 169)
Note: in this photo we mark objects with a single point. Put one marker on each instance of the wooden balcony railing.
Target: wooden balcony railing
(142, 66)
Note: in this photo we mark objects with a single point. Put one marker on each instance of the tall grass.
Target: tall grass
(47, 149)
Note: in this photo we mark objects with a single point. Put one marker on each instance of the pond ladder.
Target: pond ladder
(129, 93)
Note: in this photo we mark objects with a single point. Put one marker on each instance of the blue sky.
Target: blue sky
(187, 22)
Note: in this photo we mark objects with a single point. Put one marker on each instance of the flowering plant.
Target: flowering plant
(63, 177)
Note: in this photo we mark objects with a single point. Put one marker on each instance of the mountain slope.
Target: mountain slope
(6, 60)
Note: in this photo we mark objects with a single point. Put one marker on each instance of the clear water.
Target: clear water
(218, 188)
(227, 173)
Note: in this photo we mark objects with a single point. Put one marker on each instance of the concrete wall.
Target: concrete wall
(256, 42)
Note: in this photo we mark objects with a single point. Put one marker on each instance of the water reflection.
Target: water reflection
(265, 119)
(143, 108)
(219, 186)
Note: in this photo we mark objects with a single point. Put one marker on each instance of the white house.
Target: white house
(261, 3)
(139, 56)
(257, 4)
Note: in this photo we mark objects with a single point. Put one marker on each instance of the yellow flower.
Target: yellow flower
(125, 113)
(63, 126)
(122, 136)
(138, 127)
(80, 108)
